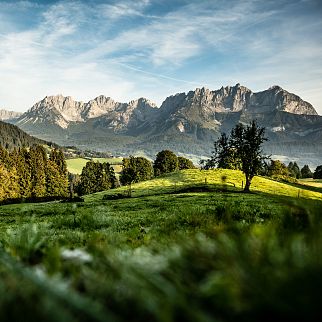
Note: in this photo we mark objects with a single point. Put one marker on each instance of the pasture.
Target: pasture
(76, 165)
(188, 246)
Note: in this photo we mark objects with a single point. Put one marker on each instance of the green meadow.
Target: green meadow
(188, 246)
(76, 165)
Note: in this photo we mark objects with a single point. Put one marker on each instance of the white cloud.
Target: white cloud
(123, 9)
(84, 50)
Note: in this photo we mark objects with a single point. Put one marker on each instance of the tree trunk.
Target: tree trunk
(247, 184)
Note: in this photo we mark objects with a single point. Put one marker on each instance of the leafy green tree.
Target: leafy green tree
(96, 177)
(223, 156)
(184, 163)
(246, 142)
(318, 172)
(306, 172)
(277, 168)
(166, 161)
(135, 169)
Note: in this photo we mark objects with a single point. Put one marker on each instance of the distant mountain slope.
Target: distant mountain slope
(8, 115)
(186, 122)
(11, 136)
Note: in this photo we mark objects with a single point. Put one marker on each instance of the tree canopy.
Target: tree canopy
(242, 149)
(166, 161)
(31, 174)
(318, 172)
(96, 177)
(135, 169)
(184, 163)
(306, 172)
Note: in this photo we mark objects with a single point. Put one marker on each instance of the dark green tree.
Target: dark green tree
(277, 168)
(223, 156)
(306, 172)
(294, 170)
(56, 182)
(38, 161)
(246, 142)
(318, 172)
(166, 161)
(57, 156)
(96, 177)
(184, 163)
(135, 169)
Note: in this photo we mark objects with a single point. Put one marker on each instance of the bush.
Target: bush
(184, 163)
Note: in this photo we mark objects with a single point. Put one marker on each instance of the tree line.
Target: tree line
(97, 176)
(32, 173)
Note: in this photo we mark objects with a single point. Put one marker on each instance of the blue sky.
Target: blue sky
(154, 48)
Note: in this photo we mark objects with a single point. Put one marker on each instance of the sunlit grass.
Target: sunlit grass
(76, 165)
(220, 178)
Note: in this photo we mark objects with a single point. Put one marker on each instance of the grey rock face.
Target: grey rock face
(200, 106)
(63, 111)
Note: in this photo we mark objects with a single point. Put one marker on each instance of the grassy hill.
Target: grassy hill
(189, 246)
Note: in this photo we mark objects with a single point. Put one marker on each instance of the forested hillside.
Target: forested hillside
(11, 136)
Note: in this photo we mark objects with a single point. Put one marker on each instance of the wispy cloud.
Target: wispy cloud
(129, 48)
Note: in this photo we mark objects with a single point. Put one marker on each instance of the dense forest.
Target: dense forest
(32, 174)
(12, 137)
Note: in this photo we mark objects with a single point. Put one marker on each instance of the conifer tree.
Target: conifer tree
(56, 183)
(38, 160)
(9, 188)
(57, 157)
(306, 172)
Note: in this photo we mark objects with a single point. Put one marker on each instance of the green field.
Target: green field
(312, 182)
(189, 246)
(76, 165)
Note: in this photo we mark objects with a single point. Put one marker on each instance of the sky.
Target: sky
(155, 48)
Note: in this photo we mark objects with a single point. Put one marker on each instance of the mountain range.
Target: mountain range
(186, 123)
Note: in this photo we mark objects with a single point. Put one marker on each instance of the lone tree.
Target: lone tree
(247, 142)
(223, 156)
(241, 150)
(166, 161)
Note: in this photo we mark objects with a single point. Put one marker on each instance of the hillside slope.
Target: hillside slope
(11, 136)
